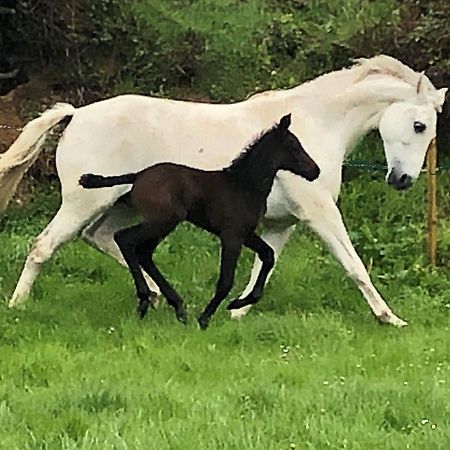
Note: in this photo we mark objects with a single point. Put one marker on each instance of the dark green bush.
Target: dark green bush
(97, 45)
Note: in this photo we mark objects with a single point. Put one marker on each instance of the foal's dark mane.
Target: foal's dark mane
(251, 162)
(248, 149)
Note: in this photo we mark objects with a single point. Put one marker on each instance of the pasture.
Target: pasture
(308, 368)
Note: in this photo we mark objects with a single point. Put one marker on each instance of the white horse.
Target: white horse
(329, 114)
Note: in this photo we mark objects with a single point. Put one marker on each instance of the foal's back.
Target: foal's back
(205, 198)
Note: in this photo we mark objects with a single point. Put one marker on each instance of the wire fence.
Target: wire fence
(365, 165)
(10, 127)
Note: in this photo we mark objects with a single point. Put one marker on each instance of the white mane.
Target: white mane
(387, 65)
(333, 82)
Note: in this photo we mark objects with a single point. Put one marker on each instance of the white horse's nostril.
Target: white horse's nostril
(400, 183)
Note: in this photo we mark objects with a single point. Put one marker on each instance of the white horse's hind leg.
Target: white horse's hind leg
(100, 234)
(324, 217)
(276, 237)
(66, 224)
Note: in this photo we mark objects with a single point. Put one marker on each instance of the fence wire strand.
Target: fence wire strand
(376, 167)
(10, 127)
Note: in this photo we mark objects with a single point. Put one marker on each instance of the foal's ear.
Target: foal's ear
(285, 122)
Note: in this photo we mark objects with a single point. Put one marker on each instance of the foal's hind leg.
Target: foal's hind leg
(231, 248)
(267, 256)
(145, 256)
(100, 234)
(128, 241)
(66, 224)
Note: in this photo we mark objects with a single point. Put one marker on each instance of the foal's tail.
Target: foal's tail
(91, 181)
(25, 149)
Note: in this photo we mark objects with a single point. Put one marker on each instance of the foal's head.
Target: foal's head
(276, 149)
(289, 154)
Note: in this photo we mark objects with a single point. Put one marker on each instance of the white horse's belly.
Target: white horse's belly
(277, 208)
(293, 198)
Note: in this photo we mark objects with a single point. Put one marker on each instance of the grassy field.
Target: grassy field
(309, 368)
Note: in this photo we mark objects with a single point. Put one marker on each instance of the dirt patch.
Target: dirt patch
(25, 102)
(17, 107)
(10, 121)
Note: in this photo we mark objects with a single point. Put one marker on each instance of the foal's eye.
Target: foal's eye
(419, 127)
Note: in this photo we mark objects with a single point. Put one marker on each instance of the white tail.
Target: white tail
(24, 150)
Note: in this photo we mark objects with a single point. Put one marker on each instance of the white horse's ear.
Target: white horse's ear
(421, 88)
(439, 98)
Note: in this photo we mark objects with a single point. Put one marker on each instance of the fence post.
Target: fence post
(432, 202)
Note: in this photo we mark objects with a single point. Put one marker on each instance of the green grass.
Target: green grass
(309, 368)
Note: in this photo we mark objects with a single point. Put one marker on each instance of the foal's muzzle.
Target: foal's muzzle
(311, 174)
(401, 182)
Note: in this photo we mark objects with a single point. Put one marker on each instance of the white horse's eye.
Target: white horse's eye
(419, 127)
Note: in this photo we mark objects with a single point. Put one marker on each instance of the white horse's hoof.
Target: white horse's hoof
(392, 319)
(238, 314)
(154, 300)
(16, 301)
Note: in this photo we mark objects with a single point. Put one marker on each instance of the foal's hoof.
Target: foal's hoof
(182, 316)
(239, 303)
(203, 322)
(143, 308)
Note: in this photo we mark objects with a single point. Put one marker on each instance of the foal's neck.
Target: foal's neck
(255, 169)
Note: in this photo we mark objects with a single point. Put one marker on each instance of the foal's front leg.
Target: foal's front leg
(275, 237)
(231, 248)
(267, 255)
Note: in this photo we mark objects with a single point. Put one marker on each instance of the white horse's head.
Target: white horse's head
(407, 129)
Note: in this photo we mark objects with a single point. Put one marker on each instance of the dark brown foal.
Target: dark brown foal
(228, 203)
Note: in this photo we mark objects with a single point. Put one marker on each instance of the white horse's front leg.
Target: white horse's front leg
(324, 217)
(276, 237)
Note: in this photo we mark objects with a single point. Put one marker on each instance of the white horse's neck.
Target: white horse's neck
(346, 106)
